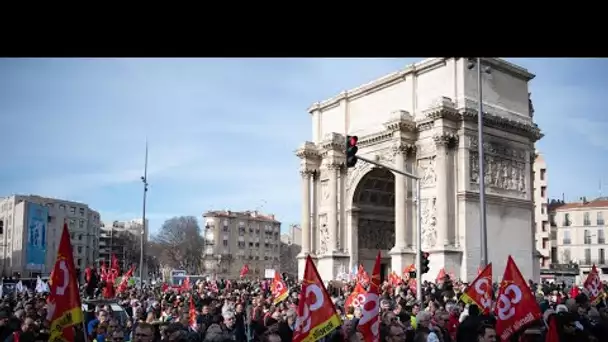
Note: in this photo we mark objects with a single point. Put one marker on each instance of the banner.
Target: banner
(479, 291)
(278, 289)
(317, 315)
(63, 303)
(35, 246)
(594, 286)
(516, 306)
(369, 323)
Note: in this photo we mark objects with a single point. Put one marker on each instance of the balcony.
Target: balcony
(600, 262)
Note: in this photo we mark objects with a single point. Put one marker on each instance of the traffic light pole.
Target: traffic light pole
(418, 221)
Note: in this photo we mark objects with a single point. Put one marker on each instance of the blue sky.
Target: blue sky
(222, 133)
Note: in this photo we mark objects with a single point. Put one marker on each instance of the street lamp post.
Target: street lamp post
(144, 180)
(481, 161)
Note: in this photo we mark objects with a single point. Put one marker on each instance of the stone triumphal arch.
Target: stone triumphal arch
(424, 120)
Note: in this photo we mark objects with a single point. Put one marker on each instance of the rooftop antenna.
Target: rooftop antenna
(564, 197)
(261, 206)
(600, 188)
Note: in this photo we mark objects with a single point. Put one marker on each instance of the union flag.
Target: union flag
(317, 315)
(64, 307)
(369, 323)
(278, 289)
(479, 291)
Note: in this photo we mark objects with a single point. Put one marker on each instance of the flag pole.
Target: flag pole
(144, 179)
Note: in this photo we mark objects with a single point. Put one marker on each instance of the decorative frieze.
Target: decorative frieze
(429, 175)
(500, 173)
(429, 222)
(500, 150)
(323, 235)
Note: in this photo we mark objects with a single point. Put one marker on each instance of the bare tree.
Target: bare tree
(181, 243)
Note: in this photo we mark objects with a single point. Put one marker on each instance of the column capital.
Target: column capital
(448, 140)
(307, 172)
(402, 147)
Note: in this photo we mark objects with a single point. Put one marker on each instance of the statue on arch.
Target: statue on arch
(530, 105)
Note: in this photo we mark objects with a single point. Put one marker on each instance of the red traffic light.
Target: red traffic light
(353, 140)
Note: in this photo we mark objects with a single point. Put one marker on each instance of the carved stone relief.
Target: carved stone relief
(324, 191)
(505, 167)
(429, 223)
(323, 234)
(429, 176)
(375, 234)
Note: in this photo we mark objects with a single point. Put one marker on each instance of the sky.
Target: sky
(222, 132)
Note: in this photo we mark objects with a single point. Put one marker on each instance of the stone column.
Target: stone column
(332, 215)
(400, 198)
(354, 238)
(306, 177)
(443, 143)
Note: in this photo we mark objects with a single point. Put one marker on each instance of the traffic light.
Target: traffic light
(424, 267)
(351, 150)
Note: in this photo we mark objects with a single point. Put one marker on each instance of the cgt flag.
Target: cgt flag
(516, 306)
(479, 292)
(594, 286)
(317, 315)
(356, 298)
(369, 323)
(278, 289)
(64, 307)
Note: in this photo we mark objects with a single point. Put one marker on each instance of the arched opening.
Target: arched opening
(374, 196)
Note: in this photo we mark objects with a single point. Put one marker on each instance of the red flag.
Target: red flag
(440, 276)
(185, 285)
(104, 271)
(362, 276)
(356, 298)
(244, 271)
(192, 313)
(124, 282)
(64, 307)
(479, 291)
(552, 334)
(515, 305)
(278, 288)
(164, 287)
(317, 315)
(594, 287)
(369, 323)
(574, 291)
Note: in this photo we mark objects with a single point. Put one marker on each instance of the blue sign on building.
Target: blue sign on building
(35, 246)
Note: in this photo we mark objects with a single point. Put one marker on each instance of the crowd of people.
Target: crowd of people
(245, 310)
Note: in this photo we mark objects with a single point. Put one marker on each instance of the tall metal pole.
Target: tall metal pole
(144, 179)
(418, 240)
(482, 171)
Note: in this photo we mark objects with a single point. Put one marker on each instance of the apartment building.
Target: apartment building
(30, 230)
(233, 239)
(291, 246)
(111, 241)
(581, 232)
(542, 232)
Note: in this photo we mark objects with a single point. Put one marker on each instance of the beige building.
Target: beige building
(422, 119)
(233, 239)
(290, 248)
(581, 232)
(541, 212)
(293, 235)
(17, 223)
(110, 243)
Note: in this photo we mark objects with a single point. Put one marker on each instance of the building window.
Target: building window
(226, 228)
(601, 239)
(567, 221)
(543, 209)
(566, 238)
(587, 219)
(62, 206)
(79, 262)
(601, 256)
(73, 210)
(543, 174)
(79, 237)
(81, 224)
(72, 224)
(81, 211)
(600, 218)
(79, 249)
(587, 237)
(543, 191)
(554, 255)
(587, 256)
